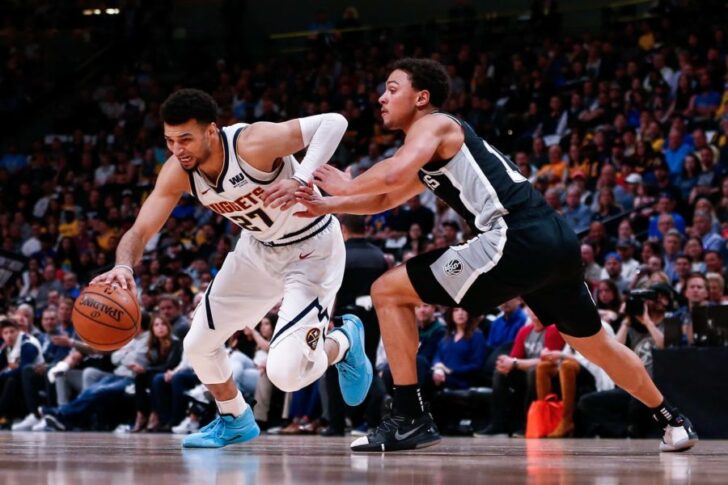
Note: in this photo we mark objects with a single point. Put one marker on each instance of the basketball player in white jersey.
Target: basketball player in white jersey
(522, 247)
(248, 174)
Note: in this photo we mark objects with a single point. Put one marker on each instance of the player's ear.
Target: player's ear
(423, 99)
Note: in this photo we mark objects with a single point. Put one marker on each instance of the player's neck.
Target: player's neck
(212, 166)
(421, 113)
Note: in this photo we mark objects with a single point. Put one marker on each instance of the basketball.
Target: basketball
(106, 317)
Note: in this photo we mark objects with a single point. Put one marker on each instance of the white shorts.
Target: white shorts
(253, 279)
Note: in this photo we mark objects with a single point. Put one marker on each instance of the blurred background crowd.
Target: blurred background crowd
(623, 128)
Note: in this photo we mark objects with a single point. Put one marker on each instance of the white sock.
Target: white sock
(340, 338)
(235, 406)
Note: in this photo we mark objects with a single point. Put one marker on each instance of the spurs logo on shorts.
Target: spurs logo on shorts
(312, 338)
(431, 182)
(453, 267)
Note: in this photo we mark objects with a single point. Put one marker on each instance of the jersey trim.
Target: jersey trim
(223, 173)
(193, 187)
(316, 227)
(274, 174)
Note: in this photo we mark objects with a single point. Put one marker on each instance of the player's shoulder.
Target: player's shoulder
(437, 123)
(172, 177)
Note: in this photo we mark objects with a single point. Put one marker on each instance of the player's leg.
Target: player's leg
(409, 426)
(299, 354)
(241, 294)
(571, 306)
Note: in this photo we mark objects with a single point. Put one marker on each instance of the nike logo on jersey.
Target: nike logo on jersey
(304, 256)
(406, 435)
(205, 191)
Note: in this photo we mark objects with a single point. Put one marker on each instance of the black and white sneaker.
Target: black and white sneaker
(54, 423)
(397, 433)
(679, 436)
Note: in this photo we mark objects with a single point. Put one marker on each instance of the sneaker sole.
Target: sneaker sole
(397, 446)
(677, 449)
(251, 435)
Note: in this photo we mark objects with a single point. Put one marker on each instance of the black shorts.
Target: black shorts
(533, 254)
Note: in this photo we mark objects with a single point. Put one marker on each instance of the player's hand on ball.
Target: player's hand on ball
(281, 194)
(118, 275)
(315, 204)
(332, 180)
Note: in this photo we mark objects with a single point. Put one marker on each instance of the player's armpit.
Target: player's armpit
(264, 142)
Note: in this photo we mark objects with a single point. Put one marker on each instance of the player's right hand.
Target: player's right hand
(315, 204)
(118, 275)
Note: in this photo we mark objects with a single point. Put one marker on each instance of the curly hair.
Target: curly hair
(426, 75)
(189, 104)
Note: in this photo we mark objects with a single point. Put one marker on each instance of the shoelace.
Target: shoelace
(389, 424)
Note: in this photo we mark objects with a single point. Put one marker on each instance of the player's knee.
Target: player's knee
(283, 375)
(382, 291)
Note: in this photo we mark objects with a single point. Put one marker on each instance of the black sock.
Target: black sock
(408, 401)
(666, 414)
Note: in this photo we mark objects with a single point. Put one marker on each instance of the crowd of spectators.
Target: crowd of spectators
(625, 134)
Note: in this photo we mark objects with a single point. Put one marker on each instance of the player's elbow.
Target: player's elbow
(396, 178)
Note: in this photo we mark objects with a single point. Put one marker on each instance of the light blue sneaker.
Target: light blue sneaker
(224, 430)
(355, 370)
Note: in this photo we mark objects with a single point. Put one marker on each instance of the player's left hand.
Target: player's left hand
(281, 194)
(315, 204)
(332, 180)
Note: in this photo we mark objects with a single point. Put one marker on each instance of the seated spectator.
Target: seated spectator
(665, 206)
(576, 376)
(577, 215)
(609, 302)
(694, 250)
(613, 272)
(460, 354)
(716, 289)
(514, 378)
(18, 352)
(169, 398)
(592, 270)
(263, 387)
(34, 377)
(703, 228)
(614, 413)
(128, 360)
(697, 295)
(164, 352)
(171, 308)
(630, 266)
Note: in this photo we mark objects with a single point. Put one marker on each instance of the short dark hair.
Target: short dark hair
(187, 104)
(6, 321)
(354, 224)
(426, 75)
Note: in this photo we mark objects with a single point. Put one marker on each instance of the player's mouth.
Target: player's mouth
(184, 159)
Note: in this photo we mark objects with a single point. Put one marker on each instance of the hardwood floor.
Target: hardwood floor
(157, 459)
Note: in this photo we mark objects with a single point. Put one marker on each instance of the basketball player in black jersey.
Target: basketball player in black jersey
(522, 247)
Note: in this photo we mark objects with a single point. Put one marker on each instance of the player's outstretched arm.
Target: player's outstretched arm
(420, 146)
(317, 205)
(264, 142)
(171, 184)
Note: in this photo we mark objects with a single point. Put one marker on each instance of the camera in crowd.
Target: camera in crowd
(635, 306)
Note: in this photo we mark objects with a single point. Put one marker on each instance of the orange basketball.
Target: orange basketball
(106, 317)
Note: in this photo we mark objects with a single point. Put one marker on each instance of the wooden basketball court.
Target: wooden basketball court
(157, 459)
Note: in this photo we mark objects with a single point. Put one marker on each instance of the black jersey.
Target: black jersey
(480, 183)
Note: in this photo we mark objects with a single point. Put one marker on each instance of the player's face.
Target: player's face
(190, 142)
(398, 101)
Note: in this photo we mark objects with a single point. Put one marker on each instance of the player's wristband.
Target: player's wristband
(299, 180)
(125, 266)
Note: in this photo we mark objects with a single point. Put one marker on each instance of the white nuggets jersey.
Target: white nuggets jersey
(237, 195)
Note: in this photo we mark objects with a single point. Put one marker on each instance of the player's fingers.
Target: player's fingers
(271, 197)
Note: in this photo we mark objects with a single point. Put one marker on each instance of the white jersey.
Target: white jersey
(237, 195)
